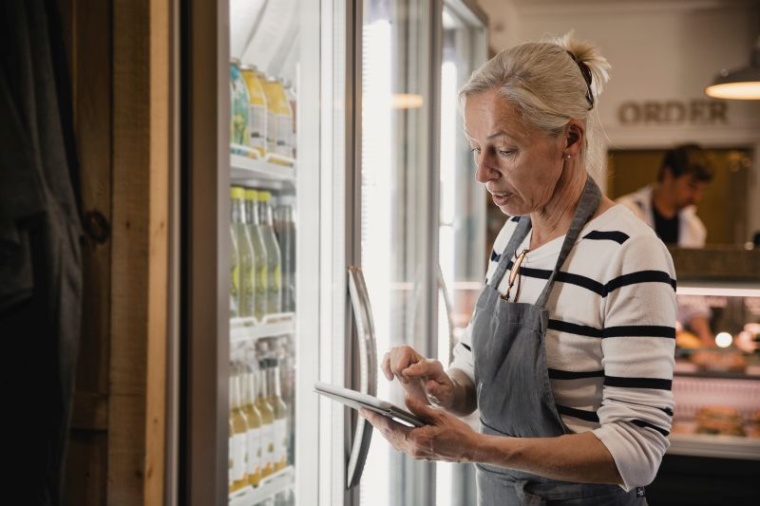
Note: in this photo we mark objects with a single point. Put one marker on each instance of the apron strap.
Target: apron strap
(587, 206)
(521, 231)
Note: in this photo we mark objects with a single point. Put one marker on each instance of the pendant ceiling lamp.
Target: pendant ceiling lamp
(740, 84)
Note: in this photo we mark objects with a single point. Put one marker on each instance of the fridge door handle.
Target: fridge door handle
(365, 330)
(448, 306)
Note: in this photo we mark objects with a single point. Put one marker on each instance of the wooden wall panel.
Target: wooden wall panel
(141, 146)
(120, 57)
(87, 34)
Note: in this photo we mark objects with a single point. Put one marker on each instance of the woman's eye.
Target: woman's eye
(475, 150)
(505, 152)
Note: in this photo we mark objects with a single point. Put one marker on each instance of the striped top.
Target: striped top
(610, 342)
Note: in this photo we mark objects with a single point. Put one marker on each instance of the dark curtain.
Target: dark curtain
(40, 260)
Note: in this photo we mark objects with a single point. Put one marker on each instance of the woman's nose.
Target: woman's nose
(484, 170)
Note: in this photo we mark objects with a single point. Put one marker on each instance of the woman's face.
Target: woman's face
(518, 164)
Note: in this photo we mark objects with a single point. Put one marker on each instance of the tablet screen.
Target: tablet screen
(358, 400)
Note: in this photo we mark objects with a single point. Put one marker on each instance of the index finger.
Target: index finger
(398, 359)
(426, 367)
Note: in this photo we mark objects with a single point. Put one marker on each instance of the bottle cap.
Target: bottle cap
(236, 192)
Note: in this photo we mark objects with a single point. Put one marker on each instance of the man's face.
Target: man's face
(685, 190)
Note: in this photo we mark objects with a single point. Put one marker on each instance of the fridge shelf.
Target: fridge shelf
(251, 329)
(273, 170)
(269, 487)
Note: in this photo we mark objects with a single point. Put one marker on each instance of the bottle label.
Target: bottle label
(240, 108)
(284, 135)
(254, 450)
(230, 460)
(272, 132)
(281, 437)
(267, 445)
(257, 122)
(234, 291)
(275, 291)
(239, 452)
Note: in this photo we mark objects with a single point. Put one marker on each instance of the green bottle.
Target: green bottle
(234, 267)
(274, 259)
(261, 275)
(244, 252)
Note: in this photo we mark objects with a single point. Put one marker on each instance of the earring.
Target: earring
(567, 156)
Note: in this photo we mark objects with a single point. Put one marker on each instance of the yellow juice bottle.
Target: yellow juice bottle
(280, 412)
(267, 426)
(239, 110)
(279, 119)
(231, 456)
(257, 118)
(254, 428)
(240, 437)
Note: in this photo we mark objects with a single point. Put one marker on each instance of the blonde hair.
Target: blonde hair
(545, 81)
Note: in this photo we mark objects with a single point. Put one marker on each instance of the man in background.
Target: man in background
(669, 207)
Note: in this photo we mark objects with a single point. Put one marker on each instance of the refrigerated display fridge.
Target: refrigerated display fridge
(715, 440)
(323, 135)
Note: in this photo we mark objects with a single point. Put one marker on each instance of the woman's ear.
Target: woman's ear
(576, 133)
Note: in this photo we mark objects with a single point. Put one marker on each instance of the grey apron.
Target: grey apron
(512, 381)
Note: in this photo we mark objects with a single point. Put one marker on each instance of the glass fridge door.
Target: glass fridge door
(463, 248)
(274, 165)
(399, 210)
(251, 146)
(422, 236)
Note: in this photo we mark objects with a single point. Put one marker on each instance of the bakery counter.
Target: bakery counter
(717, 415)
(714, 454)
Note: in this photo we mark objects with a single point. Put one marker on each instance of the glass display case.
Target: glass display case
(715, 440)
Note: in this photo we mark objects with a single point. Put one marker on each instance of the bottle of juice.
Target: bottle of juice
(257, 118)
(261, 276)
(274, 258)
(239, 110)
(285, 230)
(286, 358)
(239, 455)
(271, 133)
(231, 456)
(274, 396)
(246, 293)
(254, 427)
(290, 93)
(234, 267)
(267, 424)
(280, 118)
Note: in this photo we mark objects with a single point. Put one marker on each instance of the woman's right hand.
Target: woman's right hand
(422, 378)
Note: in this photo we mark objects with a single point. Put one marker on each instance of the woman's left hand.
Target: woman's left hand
(445, 437)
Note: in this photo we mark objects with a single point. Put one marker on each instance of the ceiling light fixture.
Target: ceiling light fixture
(740, 84)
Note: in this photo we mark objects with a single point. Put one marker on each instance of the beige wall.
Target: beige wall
(661, 51)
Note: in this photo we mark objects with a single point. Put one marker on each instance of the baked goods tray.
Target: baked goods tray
(695, 396)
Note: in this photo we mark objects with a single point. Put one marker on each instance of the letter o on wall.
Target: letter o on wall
(629, 113)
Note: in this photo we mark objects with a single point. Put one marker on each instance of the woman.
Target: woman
(569, 354)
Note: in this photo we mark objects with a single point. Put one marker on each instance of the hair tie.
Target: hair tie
(586, 73)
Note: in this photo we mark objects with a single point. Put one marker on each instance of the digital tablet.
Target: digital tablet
(357, 400)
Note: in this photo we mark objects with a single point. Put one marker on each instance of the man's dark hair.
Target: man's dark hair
(687, 159)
